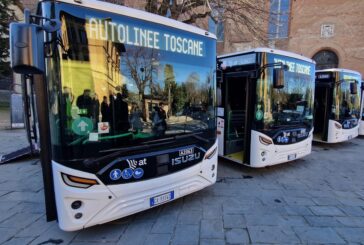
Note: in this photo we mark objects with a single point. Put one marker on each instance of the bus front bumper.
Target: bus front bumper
(336, 135)
(101, 204)
(361, 128)
(267, 155)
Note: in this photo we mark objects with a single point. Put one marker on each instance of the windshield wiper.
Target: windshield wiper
(182, 136)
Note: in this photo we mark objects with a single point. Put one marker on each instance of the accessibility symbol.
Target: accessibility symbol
(138, 173)
(115, 174)
(82, 126)
(127, 173)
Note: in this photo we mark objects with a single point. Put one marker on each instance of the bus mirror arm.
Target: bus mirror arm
(278, 73)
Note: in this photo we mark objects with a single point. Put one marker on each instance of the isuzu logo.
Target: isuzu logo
(185, 156)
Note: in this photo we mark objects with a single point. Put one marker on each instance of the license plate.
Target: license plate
(291, 157)
(157, 200)
(350, 137)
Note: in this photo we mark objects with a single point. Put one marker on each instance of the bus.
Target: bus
(361, 127)
(337, 105)
(265, 106)
(117, 91)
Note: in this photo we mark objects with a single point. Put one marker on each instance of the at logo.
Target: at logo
(135, 163)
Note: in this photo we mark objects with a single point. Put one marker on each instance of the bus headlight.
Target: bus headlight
(78, 182)
(338, 125)
(265, 141)
(210, 154)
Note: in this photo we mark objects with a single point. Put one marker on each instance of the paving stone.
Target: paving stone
(213, 229)
(323, 221)
(165, 224)
(352, 234)
(136, 233)
(160, 239)
(299, 201)
(351, 221)
(55, 235)
(352, 210)
(234, 221)
(212, 242)
(186, 235)
(36, 228)
(352, 201)
(6, 234)
(212, 212)
(263, 220)
(297, 210)
(326, 201)
(272, 234)
(317, 235)
(101, 233)
(237, 236)
(20, 220)
(326, 211)
(189, 217)
(19, 241)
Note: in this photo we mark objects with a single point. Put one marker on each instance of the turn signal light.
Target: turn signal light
(338, 125)
(79, 182)
(265, 141)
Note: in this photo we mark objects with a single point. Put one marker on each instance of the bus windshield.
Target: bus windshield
(291, 105)
(117, 82)
(346, 105)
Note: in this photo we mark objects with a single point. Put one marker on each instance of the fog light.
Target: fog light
(213, 167)
(78, 215)
(76, 204)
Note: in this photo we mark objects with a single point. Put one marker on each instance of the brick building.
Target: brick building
(329, 31)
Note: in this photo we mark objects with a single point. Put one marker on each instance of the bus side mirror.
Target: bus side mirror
(26, 48)
(354, 88)
(278, 78)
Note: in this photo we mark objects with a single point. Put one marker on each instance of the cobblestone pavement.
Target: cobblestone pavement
(319, 199)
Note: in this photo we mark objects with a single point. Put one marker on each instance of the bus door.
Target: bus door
(323, 102)
(235, 101)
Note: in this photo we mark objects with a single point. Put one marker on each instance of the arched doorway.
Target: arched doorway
(326, 59)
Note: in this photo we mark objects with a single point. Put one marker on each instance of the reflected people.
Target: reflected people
(121, 114)
(159, 117)
(84, 103)
(105, 110)
(136, 116)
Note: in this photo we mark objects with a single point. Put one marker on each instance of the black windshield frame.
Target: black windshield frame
(271, 117)
(200, 113)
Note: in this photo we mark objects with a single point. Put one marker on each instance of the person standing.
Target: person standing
(105, 110)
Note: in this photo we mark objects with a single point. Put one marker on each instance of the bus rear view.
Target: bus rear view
(337, 105)
(129, 109)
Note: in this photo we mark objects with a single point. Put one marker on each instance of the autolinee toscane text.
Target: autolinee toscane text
(138, 36)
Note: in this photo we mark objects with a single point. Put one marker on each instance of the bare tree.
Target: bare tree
(139, 65)
(249, 17)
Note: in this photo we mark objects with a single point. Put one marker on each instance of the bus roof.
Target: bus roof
(269, 50)
(139, 14)
(339, 70)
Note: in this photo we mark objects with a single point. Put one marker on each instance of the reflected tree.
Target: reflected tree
(139, 64)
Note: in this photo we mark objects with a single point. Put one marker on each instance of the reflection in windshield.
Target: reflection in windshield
(290, 105)
(123, 94)
(346, 106)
